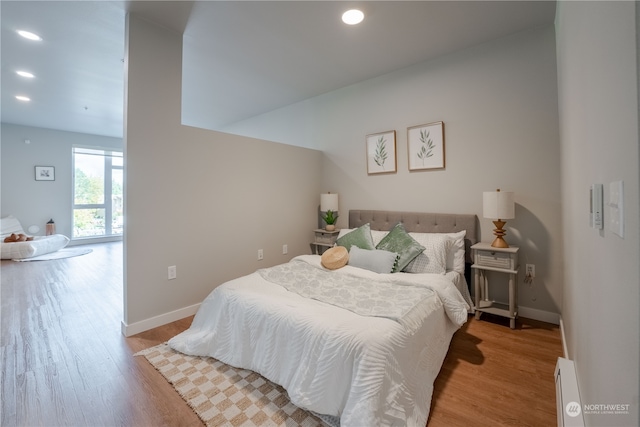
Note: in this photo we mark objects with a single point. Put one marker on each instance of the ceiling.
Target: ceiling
(241, 58)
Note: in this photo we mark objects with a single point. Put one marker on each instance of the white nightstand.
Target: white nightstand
(323, 240)
(502, 260)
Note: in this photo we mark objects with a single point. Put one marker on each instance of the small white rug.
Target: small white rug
(59, 254)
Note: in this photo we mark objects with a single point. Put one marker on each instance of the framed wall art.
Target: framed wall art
(426, 146)
(45, 173)
(381, 152)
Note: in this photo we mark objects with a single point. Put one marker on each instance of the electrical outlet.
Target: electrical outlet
(172, 272)
(285, 249)
(531, 270)
(260, 255)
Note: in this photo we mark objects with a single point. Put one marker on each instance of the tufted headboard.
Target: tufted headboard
(419, 222)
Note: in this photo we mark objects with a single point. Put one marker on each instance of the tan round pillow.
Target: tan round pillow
(335, 257)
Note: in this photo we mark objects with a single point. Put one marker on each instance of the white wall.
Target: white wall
(202, 200)
(499, 104)
(35, 202)
(598, 98)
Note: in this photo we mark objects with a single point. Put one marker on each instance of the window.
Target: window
(97, 192)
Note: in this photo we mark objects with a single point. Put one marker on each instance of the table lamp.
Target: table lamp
(329, 205)
(498, 205)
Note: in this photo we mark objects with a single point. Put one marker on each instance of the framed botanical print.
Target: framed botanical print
(426, 146)
(45, 173)
(381, 152)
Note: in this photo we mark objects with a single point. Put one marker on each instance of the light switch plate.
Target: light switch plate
(616, 207)
(596, 207)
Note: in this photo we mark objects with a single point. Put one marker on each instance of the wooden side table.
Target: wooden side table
(323, 240)
(502, 260)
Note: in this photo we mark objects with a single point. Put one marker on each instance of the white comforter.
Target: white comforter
(368, 371)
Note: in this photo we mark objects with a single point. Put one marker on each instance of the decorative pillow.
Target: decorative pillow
(8, 225)
(455, 255)
(360, 237)
(433, 258)
(376, 260)
(376, 235)
(335, 257)
(400, 242)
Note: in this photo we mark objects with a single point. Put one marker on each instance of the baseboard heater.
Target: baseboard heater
(569, 406)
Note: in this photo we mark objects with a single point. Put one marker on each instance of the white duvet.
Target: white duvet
(365, 370)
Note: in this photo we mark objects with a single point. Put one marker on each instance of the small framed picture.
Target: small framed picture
(381, 152)
(45, 173)
(426, 146)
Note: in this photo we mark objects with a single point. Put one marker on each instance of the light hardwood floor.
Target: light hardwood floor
(65, 362)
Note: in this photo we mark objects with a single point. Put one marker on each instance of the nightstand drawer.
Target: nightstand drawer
(326, 238)
(495, 259)
(323, 240)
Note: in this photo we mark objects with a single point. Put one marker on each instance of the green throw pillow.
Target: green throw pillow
(360, 237)
(399, 241)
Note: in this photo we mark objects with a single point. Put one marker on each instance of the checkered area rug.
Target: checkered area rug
(222, 395)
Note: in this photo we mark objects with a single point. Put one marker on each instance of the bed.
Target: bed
(40, 245)
(366, 361)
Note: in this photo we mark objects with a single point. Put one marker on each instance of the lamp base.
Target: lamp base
(499, 241)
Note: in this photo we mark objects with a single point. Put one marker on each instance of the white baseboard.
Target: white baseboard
(93, 240)
(541, 315)
(153, 322)
(564, 340)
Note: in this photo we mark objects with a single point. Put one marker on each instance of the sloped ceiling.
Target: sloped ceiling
(241, 58)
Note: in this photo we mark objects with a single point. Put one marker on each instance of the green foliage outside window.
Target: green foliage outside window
(89, 190)
(91, 221)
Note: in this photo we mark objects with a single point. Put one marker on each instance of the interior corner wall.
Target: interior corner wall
(36, 202)
(201, 200)
(498, 102)
(598, 105)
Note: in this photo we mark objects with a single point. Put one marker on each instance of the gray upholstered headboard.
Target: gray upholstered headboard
(419, 222)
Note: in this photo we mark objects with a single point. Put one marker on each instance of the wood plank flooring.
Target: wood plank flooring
(66, 363)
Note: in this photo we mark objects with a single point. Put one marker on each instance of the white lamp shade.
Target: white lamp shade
(329, 202)
(498, 205)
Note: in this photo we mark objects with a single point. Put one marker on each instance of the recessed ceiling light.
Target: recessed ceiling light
(352, 17)
(22, 98)
(29, 35)
(25, 74)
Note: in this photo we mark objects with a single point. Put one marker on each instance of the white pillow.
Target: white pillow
(434, 257)
(455, 257)
(376, 260)
(8, 225)
(344, 231)
(378, 235)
